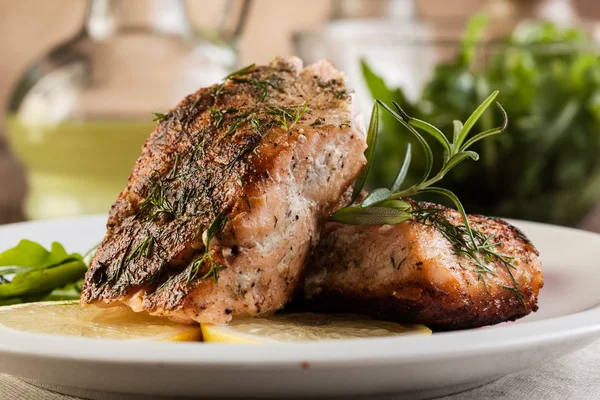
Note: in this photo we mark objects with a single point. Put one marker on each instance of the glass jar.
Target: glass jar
(78, 116)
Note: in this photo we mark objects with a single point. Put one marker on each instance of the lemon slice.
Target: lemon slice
(69, 318)
(305, 326)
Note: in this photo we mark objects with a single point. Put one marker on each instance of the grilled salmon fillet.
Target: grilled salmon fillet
(412, 273)
(230, 192)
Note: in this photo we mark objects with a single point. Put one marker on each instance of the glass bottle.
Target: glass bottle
(78, 117)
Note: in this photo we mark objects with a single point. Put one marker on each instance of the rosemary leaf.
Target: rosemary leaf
(432, 130)
(489, 132)
(371, 143)
(402, 117)
(395, 204)
(457, 159)
(376, 196)
(357, 215)
(403, 170)
(473, 119)
(458, 126)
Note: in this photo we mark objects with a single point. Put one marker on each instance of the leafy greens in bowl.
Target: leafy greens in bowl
(547, 166)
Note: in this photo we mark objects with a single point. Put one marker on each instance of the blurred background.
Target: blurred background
(79, 81)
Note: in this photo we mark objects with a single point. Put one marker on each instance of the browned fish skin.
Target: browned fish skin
(273, 150)
(410, 273)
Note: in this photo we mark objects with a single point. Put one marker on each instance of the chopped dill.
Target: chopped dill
(143, 249)
(121, 269)
(159, 116)
(261, 85)
(247, 201)
(216, 116)
(251, 117)
(173, 172)
(481, 252)
(156, 202)
(196, 266)
(287, 117)
(199, 149)
(242, 71)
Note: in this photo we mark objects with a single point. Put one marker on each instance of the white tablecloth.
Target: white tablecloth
(573, 377)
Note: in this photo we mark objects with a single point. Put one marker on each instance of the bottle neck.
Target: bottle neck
(107, 17)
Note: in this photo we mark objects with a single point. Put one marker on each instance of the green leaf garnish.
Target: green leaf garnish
(375, 215)
(403, 170)
(375, 197)
(385, 206)
(546, 167)
(159, 116)
(473, 119)
(371, 143)
(28, 254)
(29, 272)
(455, 153)
(196, 266)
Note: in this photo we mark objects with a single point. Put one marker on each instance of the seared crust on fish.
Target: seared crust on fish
(262, 160)
(411, 273)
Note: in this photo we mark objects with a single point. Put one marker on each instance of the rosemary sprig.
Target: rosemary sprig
(386, 205)
(383, 205)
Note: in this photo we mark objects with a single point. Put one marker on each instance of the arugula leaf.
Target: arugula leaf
(28, 254)
(38, 273)
(43, 280)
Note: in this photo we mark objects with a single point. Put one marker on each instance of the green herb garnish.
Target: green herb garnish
(546, 167)
(383, 205)
(196, 266)
(242, 71)
(29, 272)
(159, 116)
(144, 249)
(156, 203)
(388, 206)
(482, 250)
(288, 117)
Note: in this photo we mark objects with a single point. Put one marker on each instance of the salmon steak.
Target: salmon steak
(230, 193)
(426, 271)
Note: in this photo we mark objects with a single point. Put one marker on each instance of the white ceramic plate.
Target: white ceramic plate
(418, 367)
